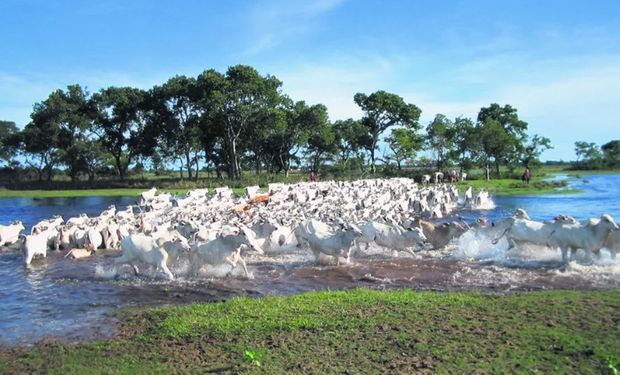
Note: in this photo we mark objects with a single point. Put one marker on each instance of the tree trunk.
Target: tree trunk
(188, 165)
(488, 171)
(372, 160)
(196, 160)
(119, 168)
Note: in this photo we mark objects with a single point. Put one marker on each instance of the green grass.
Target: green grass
(360, 331)
(515, 187)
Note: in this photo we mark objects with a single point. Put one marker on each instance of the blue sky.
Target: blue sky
(557, 62)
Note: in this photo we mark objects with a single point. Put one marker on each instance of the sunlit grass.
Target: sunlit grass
(358, 331)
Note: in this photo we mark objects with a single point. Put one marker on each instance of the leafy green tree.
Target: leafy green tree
(287, 132)
(179, 113)
(246, 95)
(439, 139)
(383, 110)
(466, 143)
(404, 143)
(351, 137)
(211, 86)
(495, 144)
(40, 144)
(321, 139)
(68, 114)
(588, 155)
(507, 134)
(611, 152)
(533, 148)
(9, 141)
(118, 124)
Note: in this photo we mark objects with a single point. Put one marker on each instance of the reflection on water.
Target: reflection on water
(71, 299)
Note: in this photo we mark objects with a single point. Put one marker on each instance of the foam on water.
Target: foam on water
(105, 273)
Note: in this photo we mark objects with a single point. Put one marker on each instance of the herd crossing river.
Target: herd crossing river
(70, 299)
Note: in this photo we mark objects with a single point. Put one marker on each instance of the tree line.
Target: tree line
(591, 156)
(241, 120)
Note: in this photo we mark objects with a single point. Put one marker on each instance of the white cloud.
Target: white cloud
(274, 22)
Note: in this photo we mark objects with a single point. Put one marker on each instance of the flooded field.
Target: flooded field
(72, 299)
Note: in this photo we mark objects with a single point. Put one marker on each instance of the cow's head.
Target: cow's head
(249, 238)
(520, 214)
(182, 241)
(418, 235)
(610, 220)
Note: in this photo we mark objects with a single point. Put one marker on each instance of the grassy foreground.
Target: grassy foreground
(359, 331)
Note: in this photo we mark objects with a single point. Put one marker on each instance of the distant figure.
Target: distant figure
(526, 175)
(453, 176)
(313, 176)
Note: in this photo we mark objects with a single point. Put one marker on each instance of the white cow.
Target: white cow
(35, 244)
(438, 177)
(224, 249)
(47, 223)
(426, 179)
(146, 196)
(391, 237)
(529, 231)
(80, 220)
(334, 244)
(9, 234)
(143, 248)
(94, 239)
(173, 242)
(590, 237)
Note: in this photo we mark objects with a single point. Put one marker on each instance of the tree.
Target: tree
(321, 140)
(507, 132)
(286, 133)
(118, 124)
(496, 144)
(588, 154)
(180, 111)
(245, 95)
(351, 137)
(40, 142)
(68, 116)
(611, 152)
(383, 110)
(466, 144)
(404, 143)
(9, 141)
(439, 139)
(211, 86)
(533, 149)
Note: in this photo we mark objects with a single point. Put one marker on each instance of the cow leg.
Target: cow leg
(232, 262)
(245, 269)
(564, 255)
(164, 267)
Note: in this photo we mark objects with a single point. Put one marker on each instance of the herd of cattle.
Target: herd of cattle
(330, 218)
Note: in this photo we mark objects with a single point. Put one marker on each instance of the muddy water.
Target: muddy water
(72, 300)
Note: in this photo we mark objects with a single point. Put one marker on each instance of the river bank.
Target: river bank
(496, 187)
(358, 331)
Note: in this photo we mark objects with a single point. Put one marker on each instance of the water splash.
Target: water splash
(103, 273)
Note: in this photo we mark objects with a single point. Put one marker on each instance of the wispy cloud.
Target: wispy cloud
(274, 22)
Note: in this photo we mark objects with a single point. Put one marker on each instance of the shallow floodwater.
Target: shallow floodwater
(70, 300)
